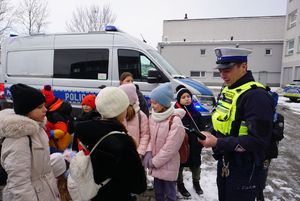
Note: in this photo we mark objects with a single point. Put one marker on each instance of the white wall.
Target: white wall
(186, 57)
(256, 33)
(241, 28)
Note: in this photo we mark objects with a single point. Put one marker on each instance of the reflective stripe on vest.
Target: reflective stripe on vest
(225, 112)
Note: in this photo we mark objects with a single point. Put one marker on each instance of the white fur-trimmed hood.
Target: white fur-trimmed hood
(14, 126)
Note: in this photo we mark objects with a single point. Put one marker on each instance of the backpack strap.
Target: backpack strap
(100, 140)
(140, 120)
(105, 136)
(30, 143)
(3, 174)
(171, 121)
(29, 138)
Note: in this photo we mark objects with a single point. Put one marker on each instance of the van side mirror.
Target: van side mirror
(154, 76)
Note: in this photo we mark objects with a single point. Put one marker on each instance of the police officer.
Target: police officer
(242, 124)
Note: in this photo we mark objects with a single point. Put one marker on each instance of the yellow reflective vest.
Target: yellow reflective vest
(225, 112)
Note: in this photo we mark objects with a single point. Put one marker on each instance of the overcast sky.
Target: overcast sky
(146, 16)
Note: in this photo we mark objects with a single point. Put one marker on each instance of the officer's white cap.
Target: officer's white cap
(228, 56)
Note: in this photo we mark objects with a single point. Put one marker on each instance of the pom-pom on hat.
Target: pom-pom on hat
(111, 101)
(130, 90)
(163, 94)
(180, 91)
(25, 98)
(58, 164)
(48, 93)
(89, 100)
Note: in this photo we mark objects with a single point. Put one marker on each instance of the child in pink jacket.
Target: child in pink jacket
(162, 157)
(136, 121)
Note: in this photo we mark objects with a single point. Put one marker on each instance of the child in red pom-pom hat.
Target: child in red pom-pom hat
(88, 103)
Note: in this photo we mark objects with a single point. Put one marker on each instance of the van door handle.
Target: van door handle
(102, 86)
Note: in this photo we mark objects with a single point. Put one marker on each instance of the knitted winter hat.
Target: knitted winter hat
(48, 93)
(163, 94)
(111, 101)
(89, 100)
(180, 91)
(25, 98)
(58, 164)
(130, 90)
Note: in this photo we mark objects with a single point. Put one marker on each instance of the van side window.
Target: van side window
(81, 63)
(134, 62)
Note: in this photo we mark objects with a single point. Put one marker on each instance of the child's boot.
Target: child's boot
(197, 187)
(182, 190)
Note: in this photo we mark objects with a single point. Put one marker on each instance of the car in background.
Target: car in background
(292, 91)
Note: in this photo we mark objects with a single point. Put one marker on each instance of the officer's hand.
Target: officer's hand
(210, 141)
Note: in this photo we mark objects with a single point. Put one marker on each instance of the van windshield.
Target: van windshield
(168, 67)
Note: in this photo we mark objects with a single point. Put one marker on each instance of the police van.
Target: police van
(76, 64)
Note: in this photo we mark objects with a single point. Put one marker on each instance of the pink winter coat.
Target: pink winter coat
(139, 131)
(165, 144)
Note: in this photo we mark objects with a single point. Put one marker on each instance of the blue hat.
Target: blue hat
(163, 94)
(228, 56)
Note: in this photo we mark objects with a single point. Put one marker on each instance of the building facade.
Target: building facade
(189, 44)
(291, 47)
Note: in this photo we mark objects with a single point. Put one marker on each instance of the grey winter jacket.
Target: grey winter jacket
(29, 172)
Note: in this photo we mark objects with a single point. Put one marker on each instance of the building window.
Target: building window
(297, 73)
(202, 74)
(292, 19)
(202, 52)
(290, 47)
(216, 74)
(268, 52)
(197, 73)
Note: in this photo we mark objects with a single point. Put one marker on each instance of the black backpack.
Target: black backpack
(277, 135)
(277, 130)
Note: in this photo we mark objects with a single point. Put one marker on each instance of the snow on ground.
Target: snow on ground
(286, 103)
(207, 180)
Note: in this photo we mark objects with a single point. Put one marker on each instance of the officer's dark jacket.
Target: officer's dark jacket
(255, 107)
(116, 157)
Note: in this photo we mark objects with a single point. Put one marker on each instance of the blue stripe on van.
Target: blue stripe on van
(71, 96)
(198, 86)
(67, 95)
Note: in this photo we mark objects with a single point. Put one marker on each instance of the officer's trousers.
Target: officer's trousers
(242, 183)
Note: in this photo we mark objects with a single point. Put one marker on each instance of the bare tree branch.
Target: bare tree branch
(32, 15)
(6, 17)
(93, 18)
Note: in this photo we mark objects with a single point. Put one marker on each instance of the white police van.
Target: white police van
(77, 64)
